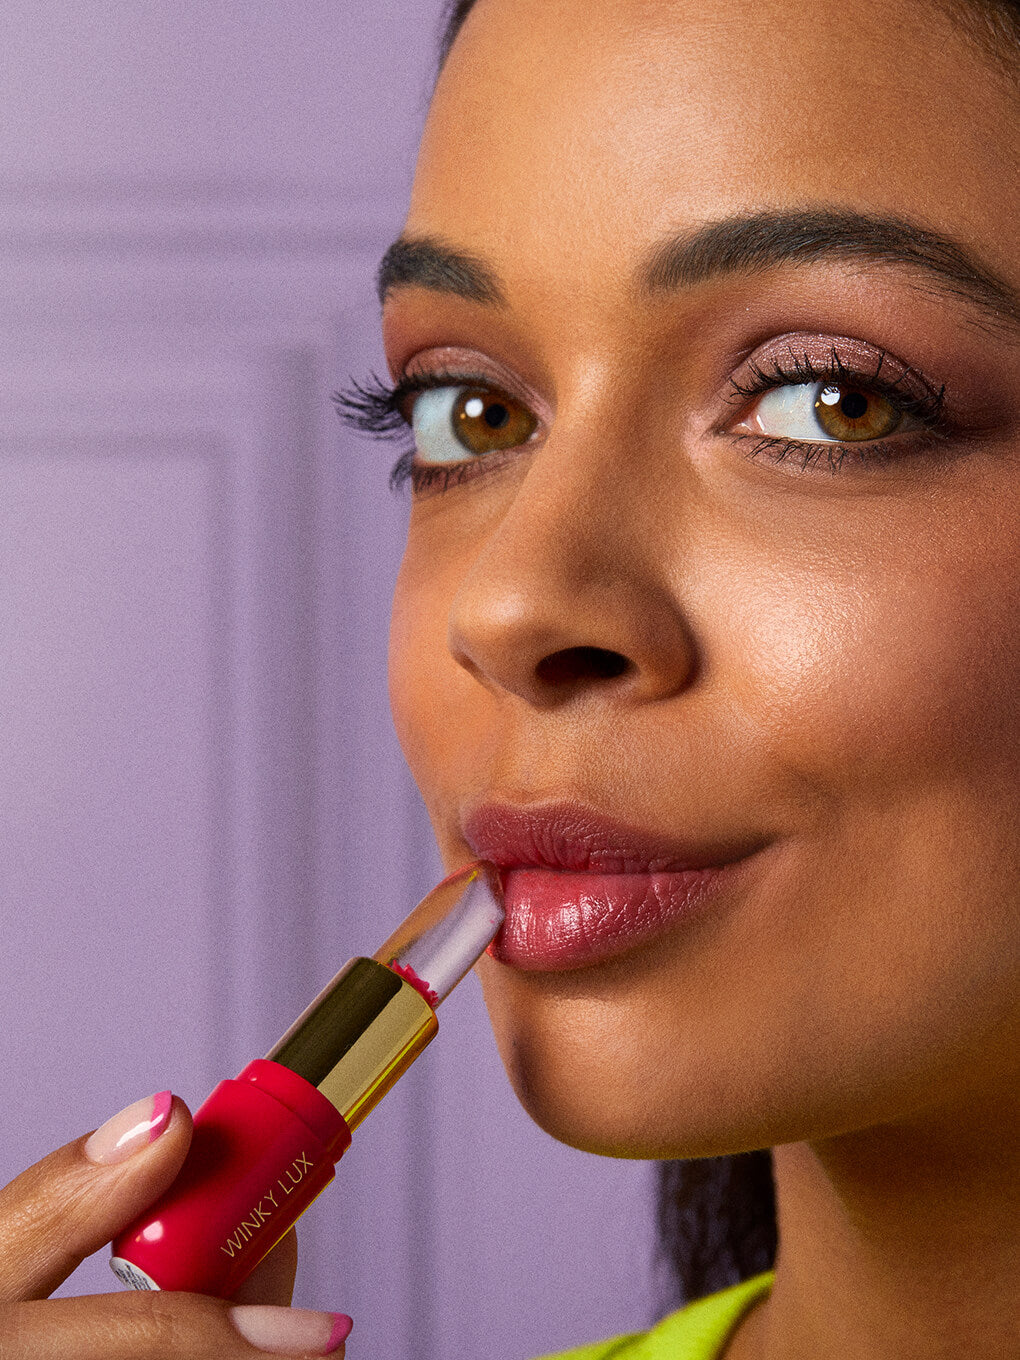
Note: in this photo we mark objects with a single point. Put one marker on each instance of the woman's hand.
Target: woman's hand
(75, 1201)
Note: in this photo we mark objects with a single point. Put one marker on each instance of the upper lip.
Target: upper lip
(577, 838)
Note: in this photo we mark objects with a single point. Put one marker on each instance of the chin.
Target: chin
(592, 1121)
(612, 1078)
(614, 1103)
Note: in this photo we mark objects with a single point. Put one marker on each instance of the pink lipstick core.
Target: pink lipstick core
(419, 984)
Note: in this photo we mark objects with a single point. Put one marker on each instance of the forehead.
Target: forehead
(621, 121)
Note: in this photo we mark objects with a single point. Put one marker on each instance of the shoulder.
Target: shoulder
(697, 1332)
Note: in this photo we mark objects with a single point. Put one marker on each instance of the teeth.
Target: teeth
(449, 930)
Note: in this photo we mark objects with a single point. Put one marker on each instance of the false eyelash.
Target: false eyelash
(370, 407)
(375, 407)
(926, 406)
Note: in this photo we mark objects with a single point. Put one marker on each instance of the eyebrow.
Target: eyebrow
(755, 242)
(427, 262)
(745, 243)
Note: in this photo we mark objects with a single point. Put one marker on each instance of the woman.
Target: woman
(708, 325)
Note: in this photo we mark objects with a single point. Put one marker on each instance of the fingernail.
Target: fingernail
(290, 1331)
(130, 1130)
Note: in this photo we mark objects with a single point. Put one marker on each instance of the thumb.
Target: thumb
(74, 1201)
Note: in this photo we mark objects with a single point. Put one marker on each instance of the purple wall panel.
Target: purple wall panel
(204, 809)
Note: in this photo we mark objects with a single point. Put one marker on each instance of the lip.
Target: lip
(581, 887)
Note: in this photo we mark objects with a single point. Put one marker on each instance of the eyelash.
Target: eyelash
(926, 406)
(375, 407)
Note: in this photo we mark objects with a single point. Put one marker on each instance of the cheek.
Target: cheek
(898, 667)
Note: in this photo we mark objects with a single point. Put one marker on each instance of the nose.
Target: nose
(570, 594)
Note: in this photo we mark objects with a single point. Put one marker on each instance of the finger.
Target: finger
(272, 1280)
(156, 1325)
(74, 1201)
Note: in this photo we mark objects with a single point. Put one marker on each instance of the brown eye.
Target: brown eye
(484, 420)
(847, 412)
(829, 411)
(451, 423)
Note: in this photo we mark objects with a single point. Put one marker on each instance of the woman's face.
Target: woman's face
(776, 628)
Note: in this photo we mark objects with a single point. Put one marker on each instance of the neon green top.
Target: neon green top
(698, 1332)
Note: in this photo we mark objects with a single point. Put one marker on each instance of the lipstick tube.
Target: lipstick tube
(266, 1144)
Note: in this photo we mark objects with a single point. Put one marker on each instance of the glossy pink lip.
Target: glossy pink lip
(580, 887)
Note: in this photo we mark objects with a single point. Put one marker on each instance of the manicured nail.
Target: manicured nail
(131, 1130)
(290, 1331)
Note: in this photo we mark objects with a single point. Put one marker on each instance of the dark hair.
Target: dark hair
(717, 1215)
(716, 1221)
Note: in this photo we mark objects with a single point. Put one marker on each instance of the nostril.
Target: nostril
(580, 663)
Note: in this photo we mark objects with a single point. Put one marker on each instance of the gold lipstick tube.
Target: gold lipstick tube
(367, 1026)
(361, 1033)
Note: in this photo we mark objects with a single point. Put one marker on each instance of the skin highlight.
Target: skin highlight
(820, 662)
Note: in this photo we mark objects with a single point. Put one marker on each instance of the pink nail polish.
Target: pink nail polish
(290, 1331)
(130, 1130)
(342, 1327)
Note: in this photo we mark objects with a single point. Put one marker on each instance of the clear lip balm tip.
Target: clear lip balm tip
(448, 931)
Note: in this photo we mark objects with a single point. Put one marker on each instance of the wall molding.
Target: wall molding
(272, 256)
(220, 216)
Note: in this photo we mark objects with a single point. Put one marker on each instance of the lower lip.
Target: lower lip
(556, 919)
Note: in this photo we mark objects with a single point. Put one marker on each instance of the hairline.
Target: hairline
(991, 27)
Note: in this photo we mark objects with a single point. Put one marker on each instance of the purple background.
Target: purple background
(204, 809)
